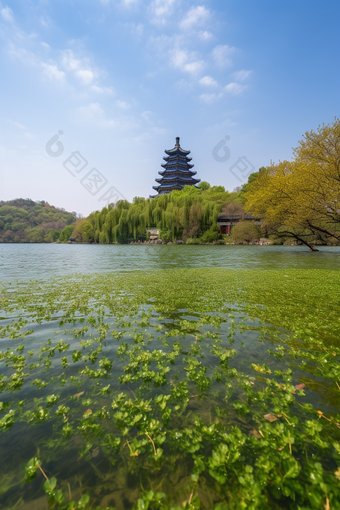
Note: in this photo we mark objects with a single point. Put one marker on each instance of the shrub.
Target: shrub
(193, 241)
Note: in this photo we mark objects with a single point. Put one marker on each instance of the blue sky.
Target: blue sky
(123, 78)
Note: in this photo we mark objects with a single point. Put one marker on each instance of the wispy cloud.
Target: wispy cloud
(161, 10)
(16, 124)
(102, 90)
(210, 98)
(205, 35)
(195, 17)
(52, 72)
(7, 14)
(234, 88)
(242, 75)
(208, 81)
(222, 55)
(129, 3)
(122, 104)
(187, 62)
(44, 22)
(49, 69)
(137, 29)
(94, 114)
(80, 67)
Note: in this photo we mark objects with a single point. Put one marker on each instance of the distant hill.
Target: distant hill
(26, 221)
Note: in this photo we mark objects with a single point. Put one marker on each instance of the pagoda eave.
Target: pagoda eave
(168, 166)
(184, 173)
(173, 151)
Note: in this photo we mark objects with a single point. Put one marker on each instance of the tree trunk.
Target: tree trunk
(306, 243)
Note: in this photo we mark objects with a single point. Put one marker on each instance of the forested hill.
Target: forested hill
(26, 221)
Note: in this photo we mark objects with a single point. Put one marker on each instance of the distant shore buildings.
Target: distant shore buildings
(177, 171)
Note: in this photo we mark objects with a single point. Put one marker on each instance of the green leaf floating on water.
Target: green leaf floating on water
(215, 389)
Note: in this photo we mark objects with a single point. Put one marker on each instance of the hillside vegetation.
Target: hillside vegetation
(26, 221)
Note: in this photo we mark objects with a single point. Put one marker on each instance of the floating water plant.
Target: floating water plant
(189, 389)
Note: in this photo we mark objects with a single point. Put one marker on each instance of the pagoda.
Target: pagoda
(177, 171)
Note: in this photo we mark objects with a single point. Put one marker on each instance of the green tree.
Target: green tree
(66, 233)
(204, 185)
(245, 231)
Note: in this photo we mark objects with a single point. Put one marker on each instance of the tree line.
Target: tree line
(187, 214)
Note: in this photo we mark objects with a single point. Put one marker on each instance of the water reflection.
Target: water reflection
(41, 261)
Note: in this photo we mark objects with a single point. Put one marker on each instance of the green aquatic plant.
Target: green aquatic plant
(199, 389)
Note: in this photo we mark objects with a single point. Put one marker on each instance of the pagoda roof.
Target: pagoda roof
(175, 178)
(177, 163)
(167, 186)
(177, 149)
(183, 171)
(176, 156)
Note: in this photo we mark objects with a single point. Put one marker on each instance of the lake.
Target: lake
(169, 377)
(29, 261)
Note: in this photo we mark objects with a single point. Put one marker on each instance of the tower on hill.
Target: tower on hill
(177, 171)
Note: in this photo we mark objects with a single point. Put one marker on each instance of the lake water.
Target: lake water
(41, 261)
(68, 348)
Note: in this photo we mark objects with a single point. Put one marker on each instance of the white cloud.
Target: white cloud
(195, 17)
(7, 14)
(85, 75)
(147, 116)
(128, 3)
(194, 67)
(242, 75)
(234, 88)
(80, 67)
(161, 10)
(43, 22)
(208, 81)
(137, 29)
(45, 45)
(122, 104)
(52, 72)
(102, 90)
(222, 53)
(205, 35)
(209, 98)
(184, 85)
(16, 124)
(186, 62)
(93, 113)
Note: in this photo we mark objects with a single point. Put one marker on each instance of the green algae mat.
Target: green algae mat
(192, 388)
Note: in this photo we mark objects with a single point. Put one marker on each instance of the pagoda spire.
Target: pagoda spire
(177, 171)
